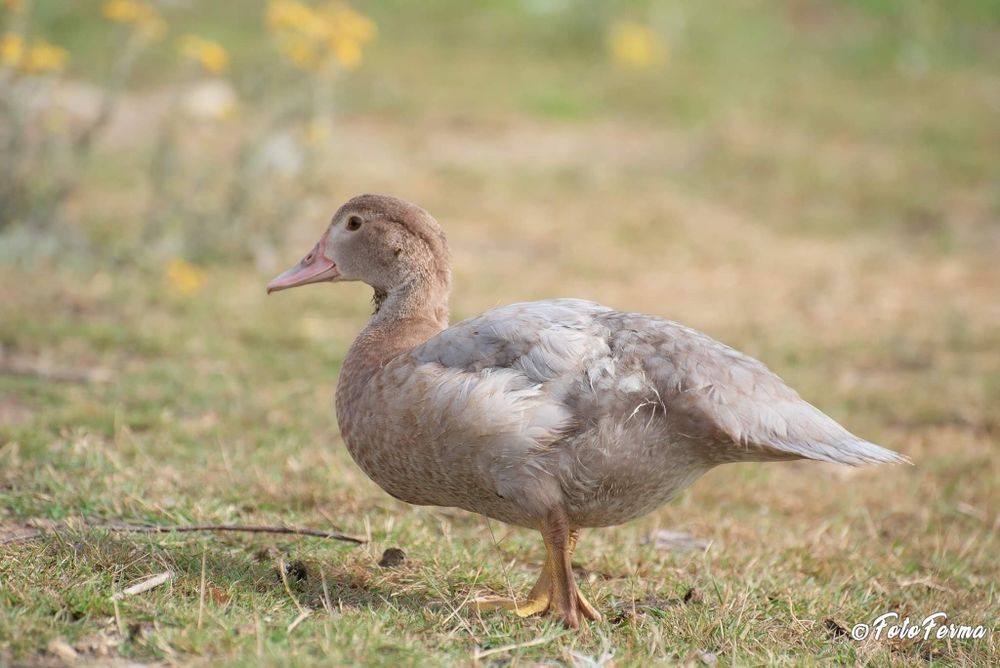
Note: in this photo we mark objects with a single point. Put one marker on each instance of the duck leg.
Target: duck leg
(555, 587)
(586, 609)
(566, 598)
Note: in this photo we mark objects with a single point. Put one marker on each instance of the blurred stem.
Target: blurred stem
(19, 19)
(82, 145)
(322, 115)
(161, 171)
(120, 75)
(13, 147)
(240, 194)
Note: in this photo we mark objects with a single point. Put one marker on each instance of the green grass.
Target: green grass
(813, 183)
(220, 412)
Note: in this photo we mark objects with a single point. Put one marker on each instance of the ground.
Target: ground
(838, 223)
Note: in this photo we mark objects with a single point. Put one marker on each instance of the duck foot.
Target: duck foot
(532, 606)
(586, 609)
(555, 588)
(538, 602)
(528, 608)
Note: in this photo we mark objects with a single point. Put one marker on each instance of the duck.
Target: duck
(557, 415)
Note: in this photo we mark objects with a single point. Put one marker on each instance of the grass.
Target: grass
(780, 185)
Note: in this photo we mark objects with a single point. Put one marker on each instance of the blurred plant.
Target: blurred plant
(44, 152)
(635, 46)
(315, 38)
(44, 57)
(210, 55)
(142, 16)
(218, 182)
(323, 41)
(183, 278)
(11, 50)
(208, 101)
(35, 58)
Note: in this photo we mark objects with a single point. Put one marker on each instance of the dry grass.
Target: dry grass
(220, 411)
(854, 255)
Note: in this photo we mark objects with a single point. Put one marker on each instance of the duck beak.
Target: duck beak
(314, 268)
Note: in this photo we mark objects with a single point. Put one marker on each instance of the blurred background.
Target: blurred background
(814, 182)
(204, 131)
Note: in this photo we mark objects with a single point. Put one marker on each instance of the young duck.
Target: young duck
(553, 415)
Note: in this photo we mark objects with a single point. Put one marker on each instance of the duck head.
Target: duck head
(390, 244)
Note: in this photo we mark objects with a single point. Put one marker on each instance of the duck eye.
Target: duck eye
(353, 223)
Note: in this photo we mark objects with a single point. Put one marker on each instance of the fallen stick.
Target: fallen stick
(480, 653)
(20, 537)
(298, 620)
(332, 535)
(145, 585)
(142, 528)
(10, 366)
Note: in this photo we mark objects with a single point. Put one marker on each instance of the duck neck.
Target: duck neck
(421, 298)
(404, 317)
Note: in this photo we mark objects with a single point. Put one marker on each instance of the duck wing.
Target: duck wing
(716, 394)
(548, 370)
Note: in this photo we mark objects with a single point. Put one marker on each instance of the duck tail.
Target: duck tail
(852, 451)
(812, 434)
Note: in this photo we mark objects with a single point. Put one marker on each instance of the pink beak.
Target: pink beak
(314, 268)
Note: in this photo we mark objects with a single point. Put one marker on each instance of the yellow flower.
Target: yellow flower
(300, 53)
(635, 46)
(290, 15)
(135, 12)
(347, 24)
(14, 5)
(206, 53)
(33, 58)
(121, 11)
(317, 132)
(348, 53)
(45, 57)
(347, 32)
(183, 277)
(311, 38)
(11, 50)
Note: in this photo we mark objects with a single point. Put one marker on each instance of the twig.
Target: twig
(479, 653)
(20, 537)
(503, 565)
(17, 367)
(201, 591)
(298, 620)
(145, 585)
(118, 618)
(327, 517)
(282, 573)
(326, 595)
(140, 528)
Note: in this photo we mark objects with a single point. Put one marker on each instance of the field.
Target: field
(813, 183)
